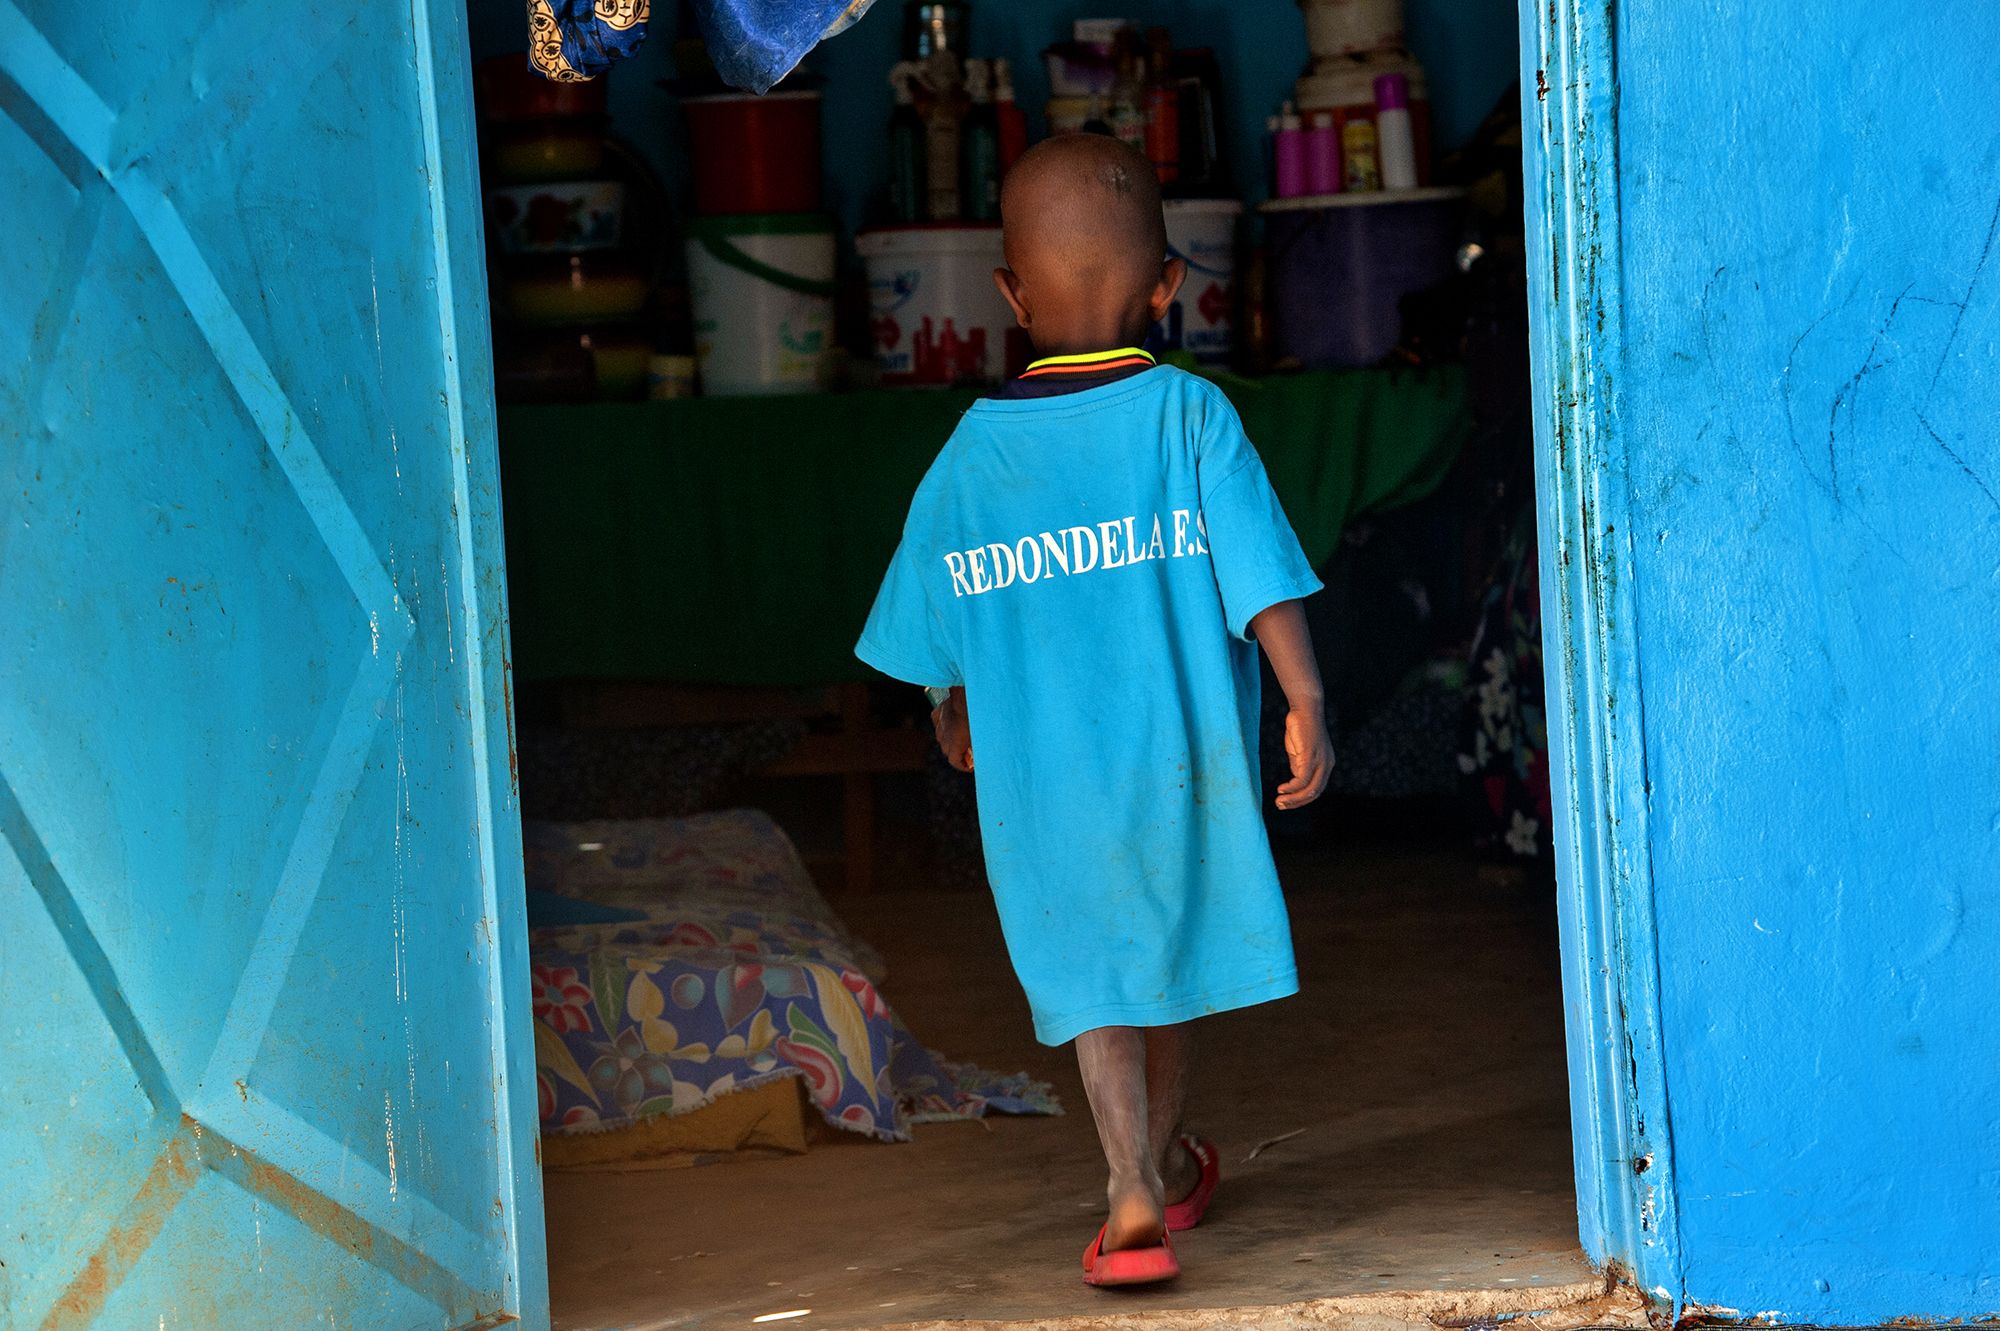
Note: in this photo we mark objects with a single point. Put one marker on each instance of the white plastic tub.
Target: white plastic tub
(936, 315)
(762, 289)
(1203, 232)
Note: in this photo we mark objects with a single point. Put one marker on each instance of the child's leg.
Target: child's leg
(1114, 1066)
(1169, 1053)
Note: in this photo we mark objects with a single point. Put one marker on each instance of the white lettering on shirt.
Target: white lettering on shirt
(1072, 551)
(1022, 549)
(1112, 557)
(955, 561)
(1003, 565)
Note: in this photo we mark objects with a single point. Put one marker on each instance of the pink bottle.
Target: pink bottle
(1289, 154)
(1322, 154)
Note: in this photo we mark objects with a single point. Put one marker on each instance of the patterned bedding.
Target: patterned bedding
(731, 971)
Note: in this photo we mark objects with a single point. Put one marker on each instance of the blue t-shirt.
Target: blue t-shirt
(1087, 566)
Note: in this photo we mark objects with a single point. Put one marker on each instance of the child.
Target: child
(1083, 569)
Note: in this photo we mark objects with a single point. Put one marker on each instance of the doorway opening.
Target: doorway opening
(785, 1070)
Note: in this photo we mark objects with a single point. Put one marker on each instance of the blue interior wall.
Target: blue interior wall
(1468, 48)
(1811, 305)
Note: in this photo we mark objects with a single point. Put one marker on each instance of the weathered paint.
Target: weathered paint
(1767, 302)
(261, 937)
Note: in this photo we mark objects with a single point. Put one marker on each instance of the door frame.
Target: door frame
(443, 45)
(1622, 1135)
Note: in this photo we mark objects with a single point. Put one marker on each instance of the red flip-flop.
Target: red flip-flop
(1187, 1213)
(1129, 1266)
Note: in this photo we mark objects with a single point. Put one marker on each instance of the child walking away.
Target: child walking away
(1087, 569)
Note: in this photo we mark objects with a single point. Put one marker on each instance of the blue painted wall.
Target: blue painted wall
(1468, 48)
(1806, 219)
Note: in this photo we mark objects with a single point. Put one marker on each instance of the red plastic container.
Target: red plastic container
(510, 93)
(754, 154)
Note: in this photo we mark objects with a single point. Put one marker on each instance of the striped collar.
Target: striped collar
(1089, 362)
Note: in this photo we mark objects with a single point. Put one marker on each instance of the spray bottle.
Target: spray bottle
(906, 147)
(979, 147)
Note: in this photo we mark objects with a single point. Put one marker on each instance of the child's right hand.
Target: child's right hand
(1309, 749)
(954, 730)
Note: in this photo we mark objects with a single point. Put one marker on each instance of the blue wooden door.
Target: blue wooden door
(261, 940)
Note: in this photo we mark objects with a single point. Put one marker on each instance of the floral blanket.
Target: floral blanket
(725, 969)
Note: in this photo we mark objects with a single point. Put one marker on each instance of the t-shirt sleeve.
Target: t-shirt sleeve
(1256, 555)
(905, 636)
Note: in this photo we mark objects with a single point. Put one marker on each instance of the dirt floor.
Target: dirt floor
(1421, 1069)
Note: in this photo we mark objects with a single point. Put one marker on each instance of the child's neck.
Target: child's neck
(1079, 334)
(1083, 344)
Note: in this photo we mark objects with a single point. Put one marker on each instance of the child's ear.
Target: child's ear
(1172, 273)
(1010, 288)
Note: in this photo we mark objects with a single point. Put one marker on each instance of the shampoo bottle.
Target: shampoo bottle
(1394, 139)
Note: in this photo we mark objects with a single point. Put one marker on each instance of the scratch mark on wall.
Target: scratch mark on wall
(1951, 338)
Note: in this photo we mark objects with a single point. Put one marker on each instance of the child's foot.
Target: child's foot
(1135, 1223)
(1181, 1172)
(1198, 1158)
(1104, 1265)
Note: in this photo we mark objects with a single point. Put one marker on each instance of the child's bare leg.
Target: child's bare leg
(1169, 1052)
(1114, 1065)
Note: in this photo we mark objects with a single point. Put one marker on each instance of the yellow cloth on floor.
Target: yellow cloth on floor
(770, 1117)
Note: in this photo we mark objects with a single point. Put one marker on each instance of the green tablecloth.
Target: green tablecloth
(740, 540)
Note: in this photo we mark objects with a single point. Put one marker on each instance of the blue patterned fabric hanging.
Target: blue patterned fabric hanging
(754, 43)
(572, 40)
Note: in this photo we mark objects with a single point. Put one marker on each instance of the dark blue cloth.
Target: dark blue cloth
(754, 43)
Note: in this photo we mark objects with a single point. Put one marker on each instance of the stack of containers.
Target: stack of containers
(1355, 43)
(760, 253)
(1343, 251)
(569, 291)
(935, 317)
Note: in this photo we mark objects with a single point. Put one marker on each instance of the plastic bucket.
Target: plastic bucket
(936, 316)
(762, 291)
(754, 154)
(1203, 233)
(1342, 263)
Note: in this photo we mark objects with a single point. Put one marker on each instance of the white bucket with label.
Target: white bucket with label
(936, 316)
(1202, 232)
(762, 289)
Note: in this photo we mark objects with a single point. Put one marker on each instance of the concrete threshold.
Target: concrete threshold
(1591, 1304)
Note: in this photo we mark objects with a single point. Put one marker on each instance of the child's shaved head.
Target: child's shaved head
(1086, 243)
(1082, 209)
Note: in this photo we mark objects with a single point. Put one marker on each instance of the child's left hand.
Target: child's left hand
(1310, 752)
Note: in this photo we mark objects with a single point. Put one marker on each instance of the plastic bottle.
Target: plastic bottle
(1322, 154)
(1128, 99)
(944, 81)
(930, 26)
(979, 147)
(1163, 108)
(907, 191)
(1289, 152)
(1012, 125)
(1360, 167)
(1395, 139)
